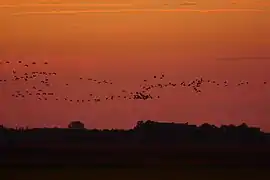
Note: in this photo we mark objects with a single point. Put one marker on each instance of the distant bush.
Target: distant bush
(76, 125)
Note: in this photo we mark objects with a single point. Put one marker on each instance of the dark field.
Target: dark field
(135, 163)
(137, 157)
(47, 173)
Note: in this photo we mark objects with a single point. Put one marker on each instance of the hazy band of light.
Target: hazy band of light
(138, 10)
(243, 58)
(60, 5)
(188, 3)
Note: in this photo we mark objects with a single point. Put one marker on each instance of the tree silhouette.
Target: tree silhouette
(76, 125)
(139, 124)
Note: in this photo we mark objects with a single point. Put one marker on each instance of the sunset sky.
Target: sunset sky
(127, 41)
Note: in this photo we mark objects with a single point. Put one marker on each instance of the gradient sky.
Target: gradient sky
(129, 40)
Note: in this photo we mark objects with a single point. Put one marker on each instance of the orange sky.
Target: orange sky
(129, 40)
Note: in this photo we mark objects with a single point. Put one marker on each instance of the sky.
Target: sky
(127, 41)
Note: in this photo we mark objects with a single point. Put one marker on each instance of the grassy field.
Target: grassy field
(173, 173)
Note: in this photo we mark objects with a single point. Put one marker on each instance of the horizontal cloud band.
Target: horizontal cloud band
(243, 58)
(138, 10)
(61, 5)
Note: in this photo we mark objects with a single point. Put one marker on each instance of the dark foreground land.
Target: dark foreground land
(151, 150)
(136, 157)
(178, 173)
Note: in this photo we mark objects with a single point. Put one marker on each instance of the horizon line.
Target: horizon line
(144, 121)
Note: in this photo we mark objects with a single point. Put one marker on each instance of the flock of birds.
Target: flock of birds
(144, 92)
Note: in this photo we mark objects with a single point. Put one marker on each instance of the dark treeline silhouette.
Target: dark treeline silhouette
(149, 142)
(144, 133)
